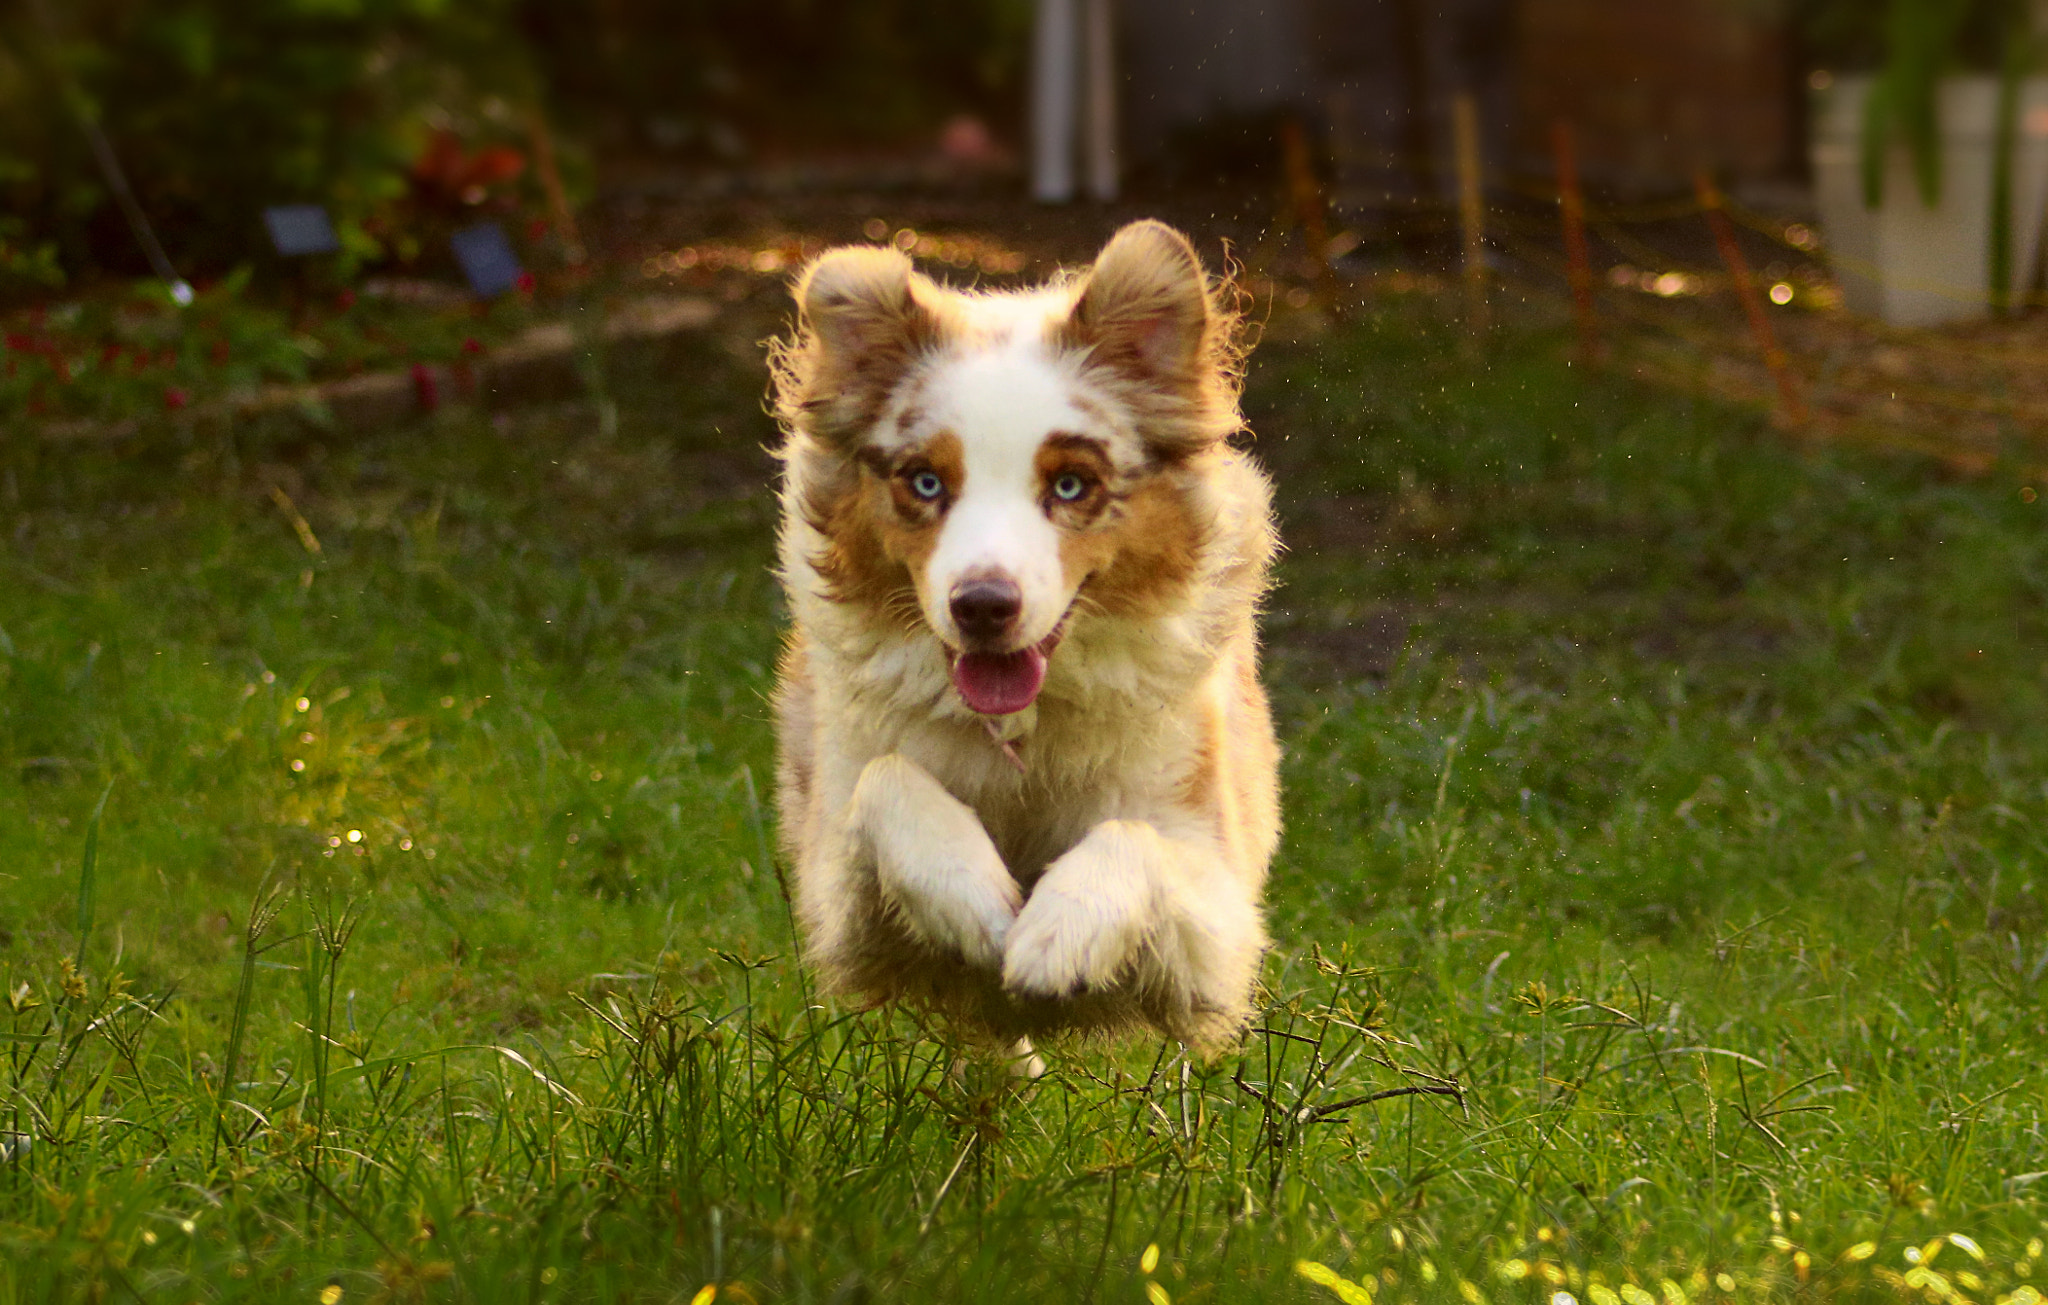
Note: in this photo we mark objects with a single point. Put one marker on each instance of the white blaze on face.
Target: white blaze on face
(1001, 403)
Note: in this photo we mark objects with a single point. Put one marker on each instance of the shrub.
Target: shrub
(218, 108)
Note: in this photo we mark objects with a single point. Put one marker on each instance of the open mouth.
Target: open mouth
(1000, 684)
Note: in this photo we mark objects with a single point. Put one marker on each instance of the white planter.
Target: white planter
(1905, 262)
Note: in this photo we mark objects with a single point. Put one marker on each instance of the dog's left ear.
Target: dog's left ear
(1145, 307)
(864, 319)
(1145, 317)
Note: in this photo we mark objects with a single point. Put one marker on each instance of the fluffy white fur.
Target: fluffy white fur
(1095, 860)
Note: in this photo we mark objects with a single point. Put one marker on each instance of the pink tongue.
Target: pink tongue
(996, 684)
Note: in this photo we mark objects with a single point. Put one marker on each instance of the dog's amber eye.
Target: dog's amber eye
(1069, 487)
(927, 485)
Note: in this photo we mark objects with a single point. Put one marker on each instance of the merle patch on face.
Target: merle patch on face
(1075, 476)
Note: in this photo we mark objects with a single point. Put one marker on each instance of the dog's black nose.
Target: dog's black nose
(986, 608)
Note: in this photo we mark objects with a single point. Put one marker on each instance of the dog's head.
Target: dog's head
(997, 460)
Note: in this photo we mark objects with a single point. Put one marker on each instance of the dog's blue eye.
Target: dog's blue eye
(1069, 487)
(927, 485)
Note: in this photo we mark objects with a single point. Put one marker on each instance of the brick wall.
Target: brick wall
(1656, 87)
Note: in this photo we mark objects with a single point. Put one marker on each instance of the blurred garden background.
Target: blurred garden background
(625, 149)
(1655, 396)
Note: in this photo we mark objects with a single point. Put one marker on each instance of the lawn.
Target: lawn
(389, 909)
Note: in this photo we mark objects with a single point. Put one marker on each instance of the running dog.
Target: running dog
(1027, 771)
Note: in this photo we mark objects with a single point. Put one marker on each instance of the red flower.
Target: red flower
(345, 300)
(20, 343)
(175, 398)
(448, 174)
(425, 388)
(525, 283)
(471, 346)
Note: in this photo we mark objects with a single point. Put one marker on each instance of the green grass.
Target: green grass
(1667, 798)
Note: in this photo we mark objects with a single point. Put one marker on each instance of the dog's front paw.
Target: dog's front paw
(939, 875)
(1091, 915)
(1064, 943)
(960, 899)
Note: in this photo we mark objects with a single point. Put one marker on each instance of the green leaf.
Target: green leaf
(74, 1123)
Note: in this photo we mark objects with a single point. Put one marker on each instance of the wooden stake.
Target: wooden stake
(551, 182)
(1305, 197)
(1571, 202)
(1099, 121)
(1791, 407)
(1471, 212)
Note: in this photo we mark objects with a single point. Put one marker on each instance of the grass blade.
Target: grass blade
(262, 913)
(89, 874)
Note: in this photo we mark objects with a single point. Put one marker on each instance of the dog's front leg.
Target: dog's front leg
(937, 871)
(1129, 902)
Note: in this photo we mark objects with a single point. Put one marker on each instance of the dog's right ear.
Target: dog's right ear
(863, 318)
(1144, 309)
(1148, 323)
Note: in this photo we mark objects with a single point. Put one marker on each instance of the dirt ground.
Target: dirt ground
(1971, 397)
